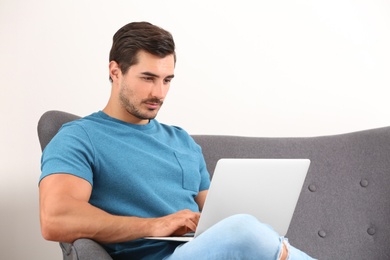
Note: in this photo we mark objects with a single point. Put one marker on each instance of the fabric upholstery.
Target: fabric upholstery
(84, 249)
(343, 210)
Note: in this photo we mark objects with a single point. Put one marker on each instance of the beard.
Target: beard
(135, 108)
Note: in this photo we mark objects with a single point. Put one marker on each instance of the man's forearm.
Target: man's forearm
(66, 214)
(73, 219)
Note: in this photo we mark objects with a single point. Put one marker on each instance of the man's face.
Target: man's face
(144, 87)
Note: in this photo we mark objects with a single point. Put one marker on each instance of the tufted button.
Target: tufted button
(312, 188)
(322, 233)
(364, 183)
(371, 231)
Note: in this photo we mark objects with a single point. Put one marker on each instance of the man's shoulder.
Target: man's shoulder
(82, 126)
(86, 121)
(178, 134)
(171, 128)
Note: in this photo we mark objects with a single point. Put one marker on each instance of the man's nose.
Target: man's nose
(159, 89)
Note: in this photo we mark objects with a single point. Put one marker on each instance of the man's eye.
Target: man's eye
(148, 78)
(167, 81)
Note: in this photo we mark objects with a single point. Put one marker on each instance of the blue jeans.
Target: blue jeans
(238, 237)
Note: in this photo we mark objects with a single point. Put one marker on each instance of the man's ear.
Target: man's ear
(115, 70)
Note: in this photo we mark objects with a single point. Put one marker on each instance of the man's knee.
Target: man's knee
(251, 237)
(247, 225)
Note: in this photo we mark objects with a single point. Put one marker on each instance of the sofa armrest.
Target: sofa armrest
(84, 249)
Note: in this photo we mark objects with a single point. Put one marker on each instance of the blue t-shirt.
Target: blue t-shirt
(147, 170)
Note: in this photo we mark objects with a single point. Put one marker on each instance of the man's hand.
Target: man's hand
(176, 224)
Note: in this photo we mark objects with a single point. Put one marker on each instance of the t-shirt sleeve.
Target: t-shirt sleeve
(70, 152)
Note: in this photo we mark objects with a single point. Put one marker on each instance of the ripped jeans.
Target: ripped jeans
(237, 237)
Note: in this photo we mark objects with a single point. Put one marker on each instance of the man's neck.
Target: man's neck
(123, 115)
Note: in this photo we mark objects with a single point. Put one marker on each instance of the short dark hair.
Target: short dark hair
(137, 36)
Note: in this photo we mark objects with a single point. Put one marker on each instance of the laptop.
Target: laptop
(265, 188)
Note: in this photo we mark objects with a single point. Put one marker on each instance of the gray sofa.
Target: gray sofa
(344, 208)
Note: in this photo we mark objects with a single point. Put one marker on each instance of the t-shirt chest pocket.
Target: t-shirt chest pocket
(190, 171)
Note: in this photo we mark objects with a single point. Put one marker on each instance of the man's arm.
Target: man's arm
(66, 215)
(200, 198)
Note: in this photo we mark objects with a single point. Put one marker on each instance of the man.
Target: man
(118, 175)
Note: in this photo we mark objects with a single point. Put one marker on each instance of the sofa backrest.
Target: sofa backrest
(344, 208)
(49, 124)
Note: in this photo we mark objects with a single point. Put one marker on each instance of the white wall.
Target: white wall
(261, 68)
